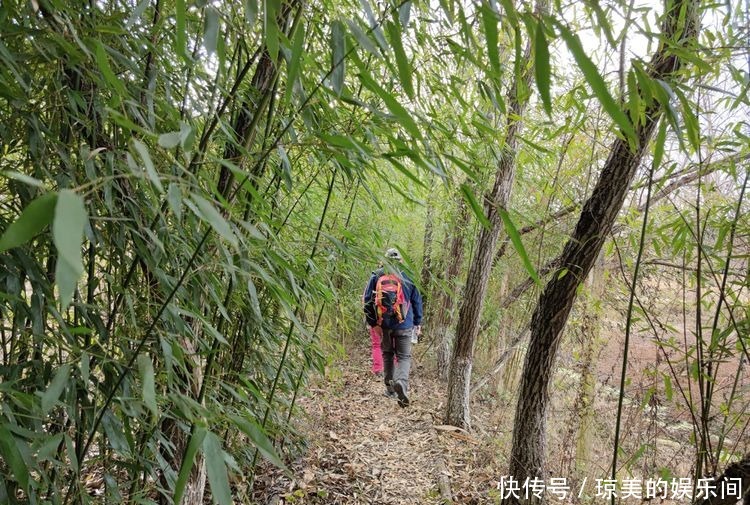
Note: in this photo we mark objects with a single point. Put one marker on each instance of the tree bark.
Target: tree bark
(738, 470)
(595, 222)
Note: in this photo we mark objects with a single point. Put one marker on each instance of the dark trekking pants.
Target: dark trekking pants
(398, 343)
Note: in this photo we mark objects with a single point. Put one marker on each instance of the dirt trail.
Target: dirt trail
(363, 448)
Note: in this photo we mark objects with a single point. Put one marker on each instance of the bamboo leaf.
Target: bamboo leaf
(254, 301)
(84, 366)
(286, 167)
(489, 23)
(251, 12)
(661, 138)
(209, 213)
(374, 25)
(519, 61)
(148, 383)
(55, 389)
(271, 28)
(515, 239)
(408, 173)
(474, 204)
(596, 81)
(211, 30)
(26, 179)
(447, 8)
(534, 145)
(511, 13)
(692, 126)
(663, 94)
(33, 219)
(180, 35)
(340, 141)
(396, 108)
(115, 434)
(187, 136)
(12, 457)
(645, 84)
(196, 440)
(168, 141)
(402, 62)
(67, 234)
(634, 99)
(122, 120)
(464, 166)
(668, 392)
(148, 164)
(542, 67)
(338, 50)
(174, 198)
(294, 61)
(404, 13)
(47, 450)
(362, 38)
(216, 469)
(259, 440)
(137, 13)
(102, 61)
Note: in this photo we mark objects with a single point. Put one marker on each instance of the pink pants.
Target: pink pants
(376, 334)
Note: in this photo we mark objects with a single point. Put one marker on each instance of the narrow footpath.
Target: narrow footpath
(365, 449)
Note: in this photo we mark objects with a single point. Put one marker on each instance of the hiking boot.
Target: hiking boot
(389, 393)
(403, 399)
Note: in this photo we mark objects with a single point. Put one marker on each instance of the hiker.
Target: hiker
(393, 303)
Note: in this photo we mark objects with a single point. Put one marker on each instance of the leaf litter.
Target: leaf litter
(362, 448)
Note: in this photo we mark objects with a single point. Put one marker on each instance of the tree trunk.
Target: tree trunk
(739, 470)
(598, 214)
(252, 108)
(467, 329)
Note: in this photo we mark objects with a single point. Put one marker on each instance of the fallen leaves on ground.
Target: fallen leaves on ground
(365, 449)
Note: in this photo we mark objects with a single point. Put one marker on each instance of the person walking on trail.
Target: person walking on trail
(394, 303)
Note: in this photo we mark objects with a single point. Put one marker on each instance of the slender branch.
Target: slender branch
(628, 327)
(722, 289)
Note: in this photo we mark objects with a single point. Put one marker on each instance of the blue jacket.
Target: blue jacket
(411, 295)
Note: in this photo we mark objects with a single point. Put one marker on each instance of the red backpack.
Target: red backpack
(389, 298)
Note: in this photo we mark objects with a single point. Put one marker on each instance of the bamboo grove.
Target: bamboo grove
(194, 193)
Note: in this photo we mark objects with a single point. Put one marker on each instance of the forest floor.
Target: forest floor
(363, 448)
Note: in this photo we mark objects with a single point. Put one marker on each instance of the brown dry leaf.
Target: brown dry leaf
(308, 476)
